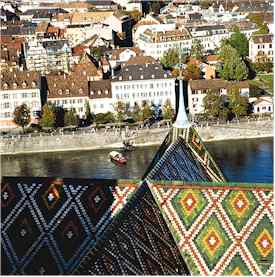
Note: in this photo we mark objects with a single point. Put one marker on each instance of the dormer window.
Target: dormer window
(14, 85)
(165, 75)
(84, 73)
(5, 86)
(59, 91)
(67, 91)
(33, 84)
(153, 76)
(72, 84)
(106, 92)
(99, 92)
(24, 85)
(92, 93)
(120, 78)
(141, 76)
(130, 77)
(28, 74)
(54, 85)
(80, 90)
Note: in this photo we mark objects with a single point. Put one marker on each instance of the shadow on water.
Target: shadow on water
(242, 160)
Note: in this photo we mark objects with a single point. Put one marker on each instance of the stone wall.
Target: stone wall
(98, 140)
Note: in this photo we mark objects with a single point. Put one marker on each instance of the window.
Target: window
(6, 105)
(67, 91)
(270, 45)
(24, 85)
(101, 106)
(269, 109)
(5, 86)
(34, 94)
(14, 85)
(152, 86)
(5, 96)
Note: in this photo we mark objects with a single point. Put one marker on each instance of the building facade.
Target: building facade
(198, 89)
(261, 48)
(16, 88)
(143, 83)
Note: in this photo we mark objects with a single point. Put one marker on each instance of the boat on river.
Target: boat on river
(117, 157)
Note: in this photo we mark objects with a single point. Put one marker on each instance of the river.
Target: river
(241, 161)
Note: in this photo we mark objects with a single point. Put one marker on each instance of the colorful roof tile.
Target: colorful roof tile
(48, 225)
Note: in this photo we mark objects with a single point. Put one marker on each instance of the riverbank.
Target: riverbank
(145, 137)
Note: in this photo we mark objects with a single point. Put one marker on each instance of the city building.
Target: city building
(100, 96)
(263, 104)
(197, 90)
(18, 87)
(69, 91)
(48, 55)
(156, 43)
(261, 48)
(143, 83)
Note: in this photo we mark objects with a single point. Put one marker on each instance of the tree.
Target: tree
(137, 113)
(232, 67)
(22, 116)
(263, 30)
(211, 103)
(48, 116)
(103, 118)
(146, 111)
(168, 111)
(170, 58)
(197, 50)
(70, 118)
(120, 109)
(96, 52)
(237, 104)
(88, 114)
(155, 7)
(239, 41)
(192, 72)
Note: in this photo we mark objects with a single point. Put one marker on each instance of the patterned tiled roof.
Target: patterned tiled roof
(48, 225)
(220, 228)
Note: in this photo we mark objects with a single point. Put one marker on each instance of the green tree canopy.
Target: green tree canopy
(48, 116)
(120, 109)
(171, 58)
(137, 113)
(146, 111)
(88, 113)
(192, 72)
(232, 67)
(168, 111)
(197, 50)
(103, 118)
(263, 30)
(239, 41)
(22, 116)
(237, 104)
(70, 118)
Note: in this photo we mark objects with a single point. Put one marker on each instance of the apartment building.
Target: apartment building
(136, 83)
(156, 43)
(198, 89)
(48, 55)
(261, 48)
(18, 87)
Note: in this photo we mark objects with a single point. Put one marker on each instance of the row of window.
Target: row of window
(8, 105)
(67, 101)
(143, 94)
(263, 46)
(144, 86)
(20, 95)
(10, 115)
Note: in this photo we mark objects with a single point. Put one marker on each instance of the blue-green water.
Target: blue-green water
(242, 161)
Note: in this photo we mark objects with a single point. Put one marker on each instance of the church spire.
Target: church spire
(181, 120)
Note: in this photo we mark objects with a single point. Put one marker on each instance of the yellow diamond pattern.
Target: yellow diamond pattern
(212, 241)
(240, 204)
(264, 243)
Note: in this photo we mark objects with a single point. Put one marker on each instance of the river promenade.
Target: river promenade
(113, 138)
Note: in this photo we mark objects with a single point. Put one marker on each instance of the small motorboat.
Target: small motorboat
(117, 157)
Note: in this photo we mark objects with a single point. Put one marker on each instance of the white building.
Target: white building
(16, 88)
(156, 43)
(47, 55)
(139, 83)
(261, 48)
(100, 96)
(198, 89)
(263, 104)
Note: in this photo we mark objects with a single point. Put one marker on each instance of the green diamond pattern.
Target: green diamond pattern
(212, 257)
(179, 203)
(237, 265)
(264, 263)
(240, 219)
